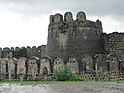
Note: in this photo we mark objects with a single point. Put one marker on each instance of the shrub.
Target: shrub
(64, 74)
(75, 77)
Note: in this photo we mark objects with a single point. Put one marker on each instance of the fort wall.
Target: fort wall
(69, 38)
(80, 44)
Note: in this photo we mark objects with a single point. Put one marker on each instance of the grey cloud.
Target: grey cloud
(91, 7)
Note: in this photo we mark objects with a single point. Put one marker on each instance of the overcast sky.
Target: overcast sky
(25, 22)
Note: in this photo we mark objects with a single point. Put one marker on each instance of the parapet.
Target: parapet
(6, 49)
(17, 52)
(28, 47)
(34, 47)
(0, 49)
(98, 23)
(81, 16)
(80, 20)
(17, 49)
(12, 48)
(68, 17)
(57, 18)
(114, 36)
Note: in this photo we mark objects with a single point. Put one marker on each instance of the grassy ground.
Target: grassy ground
(61, 86)
(54, 82)
(41, 82)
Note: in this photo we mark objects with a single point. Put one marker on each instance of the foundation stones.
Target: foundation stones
(32, 71)
(3, 68)
(73, 65)
(45, 66)
(12, 68)
(21, 68)
(58, 64)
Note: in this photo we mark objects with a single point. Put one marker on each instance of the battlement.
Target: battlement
(68, 17)
(27, 52)
(114, 36)
(69, 37)
(79, 43)
(113, 43)
(59, 20)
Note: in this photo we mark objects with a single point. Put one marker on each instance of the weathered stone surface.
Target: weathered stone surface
(6, 53)
(16, 52)
(113, 63)
(32, 71)
(99, 23)
(12, 68)
(73, 65)
(45, 66)
(3, 69)
(81, 16)
(100, 62)
(12, 49)
(0, 52)
(42, 51)
(51, 18)
(87, 63)
(114, 47)
(68, 17)
(74, 38)
(69, 41)
(21, 67)
(58, 18)
(39, 51)
(58, 64)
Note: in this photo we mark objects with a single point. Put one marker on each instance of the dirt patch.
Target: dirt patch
(91, 87)
(13, 88)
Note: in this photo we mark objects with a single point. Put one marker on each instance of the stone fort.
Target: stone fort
(81, 44)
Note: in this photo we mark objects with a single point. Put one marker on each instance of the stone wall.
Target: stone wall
(23, 68)
(114, 48)
(45, 67)
(33, 68)
(80, 44)
(73, 38)
(58, 64)
(27, 52)
(12, 68)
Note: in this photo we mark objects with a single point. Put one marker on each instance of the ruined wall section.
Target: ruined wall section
(85, 37)
(73, 38)
(56, 43)
(39, 51)
(27, 52)
(114, 42)
(114, 47)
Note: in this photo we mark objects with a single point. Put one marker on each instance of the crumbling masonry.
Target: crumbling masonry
(80, 44)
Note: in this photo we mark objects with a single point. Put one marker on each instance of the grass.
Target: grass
(41, 82)
(55, 82)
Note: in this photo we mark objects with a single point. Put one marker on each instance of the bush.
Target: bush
(64, 74)
(75, 77)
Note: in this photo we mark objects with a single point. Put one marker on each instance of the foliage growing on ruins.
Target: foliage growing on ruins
(64, 74)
